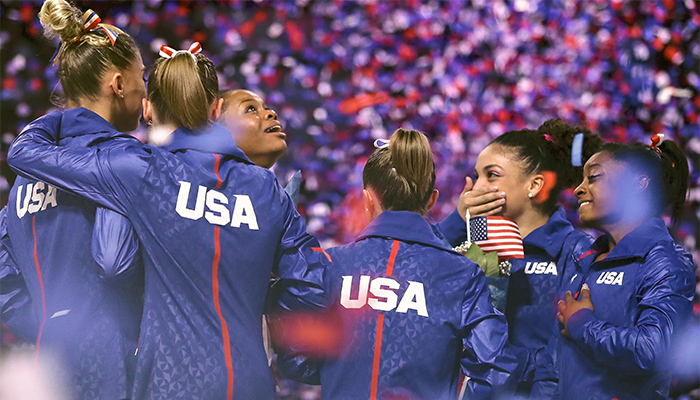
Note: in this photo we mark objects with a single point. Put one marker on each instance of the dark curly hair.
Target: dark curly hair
(666, 168)
(549, 149)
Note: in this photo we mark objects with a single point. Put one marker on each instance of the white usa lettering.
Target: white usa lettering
(384, 296)
(38, 197)
(610, 278)
(542, 268)
(216, 204)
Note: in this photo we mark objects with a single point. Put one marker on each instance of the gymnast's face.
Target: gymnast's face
(496, 166)
(606, 183)
(254, 127)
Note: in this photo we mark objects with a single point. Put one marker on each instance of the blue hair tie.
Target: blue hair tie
(576, 150)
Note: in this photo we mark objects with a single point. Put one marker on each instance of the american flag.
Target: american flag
(497, 234)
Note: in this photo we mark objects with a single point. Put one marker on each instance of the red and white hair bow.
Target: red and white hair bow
(90, 21)
(169, 52)
(656, 141)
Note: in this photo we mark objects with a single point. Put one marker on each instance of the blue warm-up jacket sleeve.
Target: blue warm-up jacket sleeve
(453, 228)
(293, 187)
(666, 285)
(546, 379)
(110, 175)
(297, 367)
(486, 358)
(15, 300)
(115, 247)
(300, 265)
(301, 269)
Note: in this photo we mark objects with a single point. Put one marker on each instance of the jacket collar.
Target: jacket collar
(550, 236)
(80, 121)
(402, 225)
(212, 139)
(635, 244)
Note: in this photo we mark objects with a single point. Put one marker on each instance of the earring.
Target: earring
(529, 195)
(122, 95)
(150, 122)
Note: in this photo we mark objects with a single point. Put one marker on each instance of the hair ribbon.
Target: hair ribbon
(656, 141)
(169, 52)
(90, 21)
(381, 143)
(577, 150)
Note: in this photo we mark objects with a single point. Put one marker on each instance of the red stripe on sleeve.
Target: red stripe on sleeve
(318, 249)
(43, 296)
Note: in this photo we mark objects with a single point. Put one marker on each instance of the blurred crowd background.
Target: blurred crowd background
(343, 73)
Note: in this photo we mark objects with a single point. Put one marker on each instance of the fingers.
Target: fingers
(569, 298)
(562, 320)
(561, 306)
(468, 185)
(490, 208)
(585, 292)
(586, 301)
(481, 202)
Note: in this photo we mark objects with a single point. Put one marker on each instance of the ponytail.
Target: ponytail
(402, 174)
(665, 166)
(675, 176)
(182, 90)
(549, 148)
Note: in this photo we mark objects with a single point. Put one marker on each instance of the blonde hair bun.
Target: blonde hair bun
(60, 18)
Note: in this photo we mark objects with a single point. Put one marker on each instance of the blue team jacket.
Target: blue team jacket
(642, 293)
(15, 300)
(419, 307)
(90, 324)
(533, 287)
(213, 227)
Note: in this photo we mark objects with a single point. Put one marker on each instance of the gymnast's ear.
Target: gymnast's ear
(216, 109)
(147, 111)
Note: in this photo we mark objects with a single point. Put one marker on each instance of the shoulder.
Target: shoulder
(244, 168)
(361, 249)
(451, 263)
(49, 123)
(51, 118)
(260, 172)
(669, 263)
(667, 254)
(577, 243)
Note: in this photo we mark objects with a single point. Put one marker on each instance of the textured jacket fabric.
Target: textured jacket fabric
(89, 324)
(414, 311)
(115, 247)
(533, 286)
(212, 227)
(642, 293)
(15, 300)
